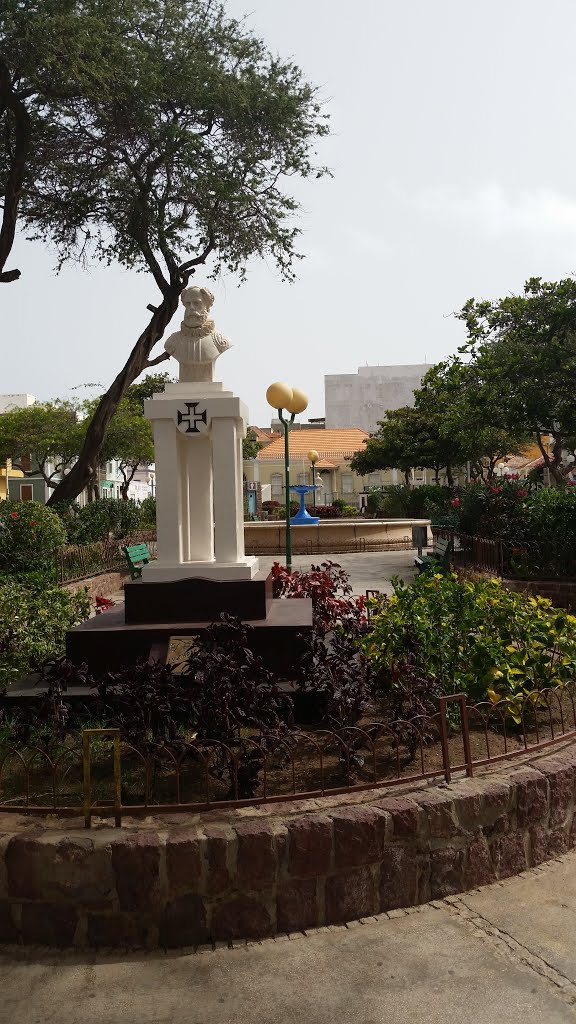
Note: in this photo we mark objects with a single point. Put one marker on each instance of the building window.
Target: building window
(374, 480)
(26, 492)
(347, 483)
(303, 478)
(276, 485)
(25, 464)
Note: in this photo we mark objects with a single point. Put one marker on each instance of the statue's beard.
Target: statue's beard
(198, 322)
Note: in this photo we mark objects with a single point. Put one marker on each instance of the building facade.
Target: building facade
(361, 399)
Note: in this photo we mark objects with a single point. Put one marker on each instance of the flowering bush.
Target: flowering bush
(473, 636)
(34, 617)
(29, 534)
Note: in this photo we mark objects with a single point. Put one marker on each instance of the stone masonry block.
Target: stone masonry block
(256, 866)
(398, 878)
(478, 866)
(561, 777)
(74, 869)
(48, 924)
(532, 800)
(240, 917)
(136, 862)
(446, 872)
(349, 895)
(508, 854)
(297, 906)
(359, 835)
(440, 813)
(408, 818)
(219, 842)
(183, 922)
(184, 861)
(309, 846)
(109, 931)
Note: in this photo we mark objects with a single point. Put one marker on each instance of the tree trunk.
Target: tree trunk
(12, 186)
(553, 465)
(407, 477)
(449, 477)
(79, 476)
(437, 475)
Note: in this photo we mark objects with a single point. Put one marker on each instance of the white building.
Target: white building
(361, 399)
(9, 402)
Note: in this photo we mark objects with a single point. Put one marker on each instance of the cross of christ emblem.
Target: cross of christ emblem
(188, 422)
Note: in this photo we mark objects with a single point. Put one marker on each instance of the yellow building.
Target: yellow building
(335, 447)
(6, 473)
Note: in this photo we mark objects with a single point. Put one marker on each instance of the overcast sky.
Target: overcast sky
(454, 160)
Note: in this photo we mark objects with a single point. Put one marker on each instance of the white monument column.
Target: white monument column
(198, 431)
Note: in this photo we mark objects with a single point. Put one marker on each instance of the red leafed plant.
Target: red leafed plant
(329, 588)
(103, 603)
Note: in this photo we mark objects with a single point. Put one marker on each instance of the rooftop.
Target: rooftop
(335, 443)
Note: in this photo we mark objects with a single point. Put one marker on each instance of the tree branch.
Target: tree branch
(158, 359)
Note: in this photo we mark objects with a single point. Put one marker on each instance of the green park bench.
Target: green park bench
(438, 559)
(137, 555)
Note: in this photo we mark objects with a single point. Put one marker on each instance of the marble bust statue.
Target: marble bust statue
(197, 345)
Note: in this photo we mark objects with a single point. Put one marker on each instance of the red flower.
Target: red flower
(522, 494)
(32, 522)
(455, 502)
(496, 490)
(13, 515)
(572, 483)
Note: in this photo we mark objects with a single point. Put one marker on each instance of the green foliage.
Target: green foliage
(43, 432)
(522, 352)
(29, 533)
(148, 513)
(397, 501)
(190, 148)
(476, 636)
(99, 520)
(251, 445)
(34, 617)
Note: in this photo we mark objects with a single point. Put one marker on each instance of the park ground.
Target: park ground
(497, 955)
(367, 571)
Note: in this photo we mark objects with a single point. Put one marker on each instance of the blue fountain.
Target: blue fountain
(302, 517)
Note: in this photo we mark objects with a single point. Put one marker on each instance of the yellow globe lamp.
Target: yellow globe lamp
(279, 395)
(298, 402)
(313, 455)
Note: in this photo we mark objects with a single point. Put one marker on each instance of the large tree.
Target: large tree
(185, 157)
(468, 416)
(51, 51)
(522, 351)
(406, 438)
(44, 438)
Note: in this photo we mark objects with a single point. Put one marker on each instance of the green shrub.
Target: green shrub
(350, 511)
(400, 502)
(148, 513)
(34, 617)
(473, 636)
(29, 533)
(99, 520)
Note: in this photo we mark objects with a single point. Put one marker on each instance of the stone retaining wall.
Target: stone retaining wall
(171, 883)
(104, 585)
(562, 593)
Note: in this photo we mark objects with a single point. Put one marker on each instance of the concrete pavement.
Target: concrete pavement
(499, 955)
(370, 571)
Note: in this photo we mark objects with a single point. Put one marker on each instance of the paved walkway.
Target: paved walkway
(371, 571)
(500, 955)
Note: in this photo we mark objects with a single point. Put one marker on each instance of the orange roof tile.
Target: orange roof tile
(334, 443)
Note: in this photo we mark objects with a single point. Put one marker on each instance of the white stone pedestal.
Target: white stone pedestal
(198, 431)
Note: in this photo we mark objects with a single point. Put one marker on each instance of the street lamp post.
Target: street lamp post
(313, 456)
(282, 397)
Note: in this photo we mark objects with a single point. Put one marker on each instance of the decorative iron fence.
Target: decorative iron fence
(551, 558)
(80, 561)
(107, 777)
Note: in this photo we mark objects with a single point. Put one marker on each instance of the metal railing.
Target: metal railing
(552, 558)
(106, 777)
(80, 561)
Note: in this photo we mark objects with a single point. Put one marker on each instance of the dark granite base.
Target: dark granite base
(107, 642)
(197, 600)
